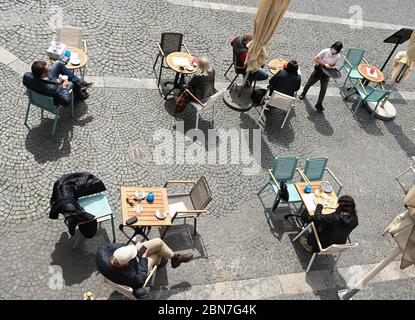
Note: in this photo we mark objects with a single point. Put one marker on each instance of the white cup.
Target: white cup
(63, 77)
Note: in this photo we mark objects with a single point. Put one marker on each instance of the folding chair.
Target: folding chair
(280, 101)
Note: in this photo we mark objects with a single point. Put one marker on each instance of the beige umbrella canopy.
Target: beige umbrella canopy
(402, 230)
(404, 62)
(268, 17)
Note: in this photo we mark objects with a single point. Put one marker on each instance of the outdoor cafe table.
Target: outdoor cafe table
(83, 58)
(308, 198)
(276, 65)
(146, 218)
(179, 61)
(385, 111)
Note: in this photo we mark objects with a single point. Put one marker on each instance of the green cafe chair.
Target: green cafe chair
(369, 94)
(351, 63)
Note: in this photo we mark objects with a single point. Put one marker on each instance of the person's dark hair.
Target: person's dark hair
(247, 37)
(292, 66)
(38, 67)
(338, 46)
(347, 204)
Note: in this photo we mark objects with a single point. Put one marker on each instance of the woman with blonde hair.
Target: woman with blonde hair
(202, 84)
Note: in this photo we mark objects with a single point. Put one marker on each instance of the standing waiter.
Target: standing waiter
(328, 59)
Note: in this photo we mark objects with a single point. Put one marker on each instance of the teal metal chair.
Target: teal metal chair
(352, 61)
(314, 169)
(45, 103)
(369, 94)
(98, 206)
(283, 168)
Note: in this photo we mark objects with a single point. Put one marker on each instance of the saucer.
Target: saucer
(160, 215)
(75, 62)
(140, 195)
(190, 68)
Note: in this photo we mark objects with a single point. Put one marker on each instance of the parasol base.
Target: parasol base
(384, 112)
(238, 98)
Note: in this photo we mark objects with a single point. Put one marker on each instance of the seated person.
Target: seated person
(123, 265)
(286, 81)
(45, 80)
(332, 228)
(240, 49)
(202, 84)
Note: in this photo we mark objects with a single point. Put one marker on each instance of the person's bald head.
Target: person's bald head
(247, 37)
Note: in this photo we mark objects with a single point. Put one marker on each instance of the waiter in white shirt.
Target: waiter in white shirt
(327, 58)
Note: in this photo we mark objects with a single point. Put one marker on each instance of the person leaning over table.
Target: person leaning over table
(45, 80)
(123, 265)
(202, 83)
(332, 228)
(286, 81)
(327, 58)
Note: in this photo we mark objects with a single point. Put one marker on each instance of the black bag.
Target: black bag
(283, 193)
(257, 96)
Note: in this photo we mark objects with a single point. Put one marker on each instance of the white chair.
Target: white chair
(280, 101)
(334, 249)
(201, 107)
(128, 291)
(72, 37)
(409, 175)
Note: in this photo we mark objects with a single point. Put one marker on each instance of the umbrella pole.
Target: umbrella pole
(243, 83)
(346, 294)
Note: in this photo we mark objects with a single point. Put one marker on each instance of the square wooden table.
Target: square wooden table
(308, 198)
(147, 217)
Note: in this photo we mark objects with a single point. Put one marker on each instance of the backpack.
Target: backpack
(283, 193)
(257, 96)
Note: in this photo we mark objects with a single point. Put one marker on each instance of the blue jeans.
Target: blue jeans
(59, 68)
(259, 75)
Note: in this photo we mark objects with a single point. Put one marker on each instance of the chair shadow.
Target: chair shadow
(43, 145)
(403, 140)
(77, 264)
(318, 118)
(178, 239)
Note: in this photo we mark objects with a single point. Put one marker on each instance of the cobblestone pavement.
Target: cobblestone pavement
(234, 241)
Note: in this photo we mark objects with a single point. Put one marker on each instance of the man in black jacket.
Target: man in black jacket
(123, 264)
(332, 228)
(45, 80)
(286, 81)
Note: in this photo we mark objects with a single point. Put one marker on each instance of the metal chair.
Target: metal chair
(283, 169)
(370, 94)
(410, 180)
(352, 61)
(334, 249)
(189, 205)
(239, 70)
(72, 37)
(170, 42)
(128, 291)
(280, 101)
(314, 169)
(98, 206)
(45, 103)
(201, 107)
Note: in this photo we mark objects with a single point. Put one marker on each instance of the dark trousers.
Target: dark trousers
(318, 75)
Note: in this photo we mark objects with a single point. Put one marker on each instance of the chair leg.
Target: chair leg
(263, 188)
(337, 260)
(72, 105)
(77, 239)
(197, 120)
(194, 226)
(27, 115)
(161, 70)
(113, 228)
(311, 262)
(55, 123)
(286, 117)
(155, 62)
(262, 112)
(41, 114)
(358, 107)
(302, 232)
(228, 70)
(234, 79)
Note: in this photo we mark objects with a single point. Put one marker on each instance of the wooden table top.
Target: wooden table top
(276, 65)
(175, 67)
(305, 197)
(147, 217)
(377, 77)
(81, 55)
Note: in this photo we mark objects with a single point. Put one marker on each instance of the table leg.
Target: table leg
(175, 85)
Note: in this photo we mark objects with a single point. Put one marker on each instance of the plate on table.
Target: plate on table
(189, 68)
(75, 62)
(327, 188)
(160, 215)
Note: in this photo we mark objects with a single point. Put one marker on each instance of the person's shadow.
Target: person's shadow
(46, 147)
(320, 122)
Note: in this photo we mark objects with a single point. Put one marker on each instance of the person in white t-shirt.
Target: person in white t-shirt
(327, 58)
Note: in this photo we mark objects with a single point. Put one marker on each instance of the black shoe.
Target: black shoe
(82, 96)
(319, 107)
(85, 85)
(302, 96)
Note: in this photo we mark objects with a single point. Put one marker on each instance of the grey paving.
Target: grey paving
(234, 243)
